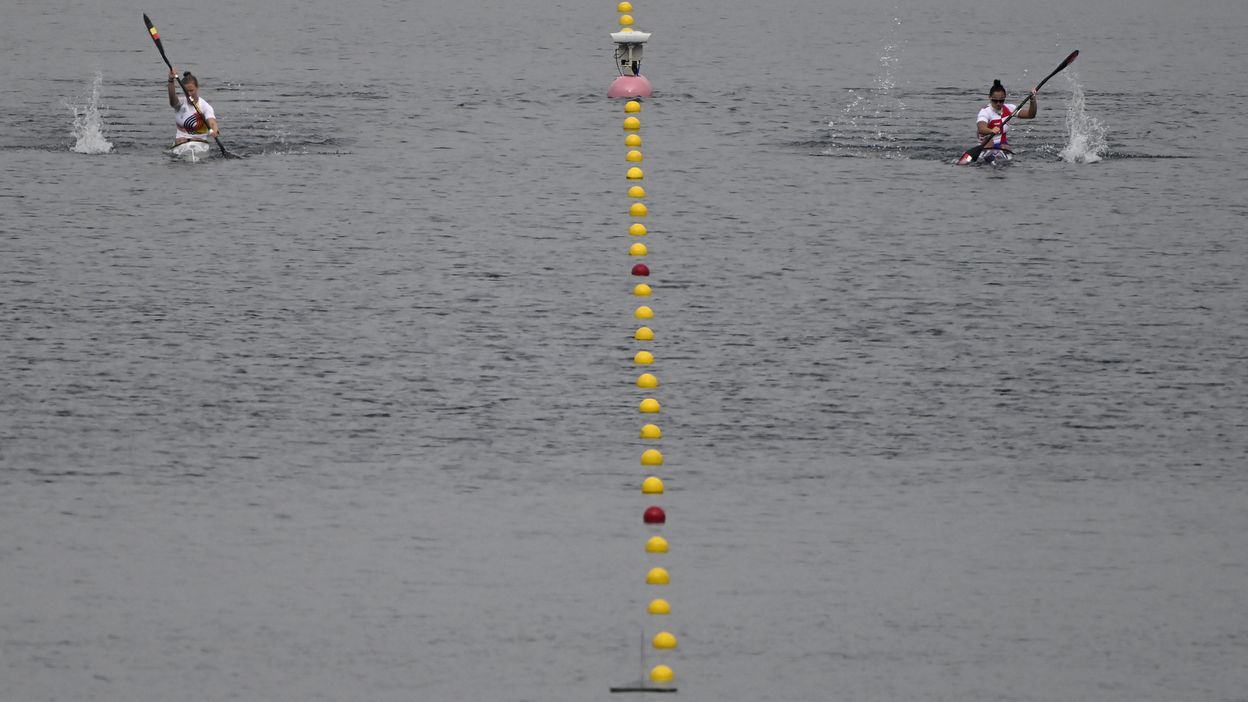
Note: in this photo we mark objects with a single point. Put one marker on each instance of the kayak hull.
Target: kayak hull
(987, 157)
(996, 157)
(191, 151)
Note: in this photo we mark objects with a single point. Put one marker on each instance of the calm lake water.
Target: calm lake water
(353, 418)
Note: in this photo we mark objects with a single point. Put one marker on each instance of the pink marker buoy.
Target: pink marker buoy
(630, 87)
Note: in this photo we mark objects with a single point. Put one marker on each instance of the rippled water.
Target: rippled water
(354, 417)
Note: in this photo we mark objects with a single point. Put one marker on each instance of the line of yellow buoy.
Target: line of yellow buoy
(651, 458)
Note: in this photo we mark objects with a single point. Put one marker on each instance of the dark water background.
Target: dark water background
(353, 418)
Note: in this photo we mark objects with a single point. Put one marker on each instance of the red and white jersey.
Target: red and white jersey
(997, 119)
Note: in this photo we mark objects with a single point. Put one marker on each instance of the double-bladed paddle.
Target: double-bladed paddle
(151, 29)
(974, 152)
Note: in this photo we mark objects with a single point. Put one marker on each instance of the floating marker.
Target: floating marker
(637, 229)
(644, 334)
(643, 358)
(647, 380)
(655, 515)
(632, 124)
(652, 486)
(633, 140)
(624, 7)
(642, 290)
(637, 250)
(634, 156)
(637, 209)
(637, 192)
(658, 576)
(626, 20)
(632, 106)
(635, 173)
(651, 431)
(664, 639)
(649, 406)
(651, 457)
(656, 544)
(659, 606)
(661, 674)
(643, 312)
(641, 269)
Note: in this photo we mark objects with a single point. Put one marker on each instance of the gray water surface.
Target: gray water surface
(353, 418)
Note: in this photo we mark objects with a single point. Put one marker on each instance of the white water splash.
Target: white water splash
(870, 120)
(88, 125)
(889, 60)
(1086, 140)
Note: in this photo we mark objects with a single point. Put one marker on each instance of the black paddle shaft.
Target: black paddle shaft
(151, 28)
(975, 151)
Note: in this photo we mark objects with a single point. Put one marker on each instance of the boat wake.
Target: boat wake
(1086, 135)
(88, 127)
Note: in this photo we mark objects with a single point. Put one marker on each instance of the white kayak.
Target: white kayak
(191, 151)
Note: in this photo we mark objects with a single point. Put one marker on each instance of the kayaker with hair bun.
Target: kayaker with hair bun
(190, 126)
(992, 117)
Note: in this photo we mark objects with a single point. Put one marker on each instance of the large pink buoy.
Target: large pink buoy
(630, 87)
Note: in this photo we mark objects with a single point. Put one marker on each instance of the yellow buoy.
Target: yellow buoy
(643, 312)
(638, 209)
(651, 457)
(624, 7)
(656, 544)
(652, 486)
(664, 639)
(635, 173)
(633, 140)
(634, 156)
(647, 380)
(644, 333)
(626, 20)
(638, 250)
(659, 606)
(632, 106)
(649, 405)
(658, 576)
(642, 290)
(632, 124)
(651, 431)
(643, 358)
(637, 191)
(661, 674)
(637, 229)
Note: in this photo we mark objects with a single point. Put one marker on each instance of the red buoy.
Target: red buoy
(641, 269)
(655, 515)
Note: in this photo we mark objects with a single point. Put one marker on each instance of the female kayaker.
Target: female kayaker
(190, 127)
(991, 118)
